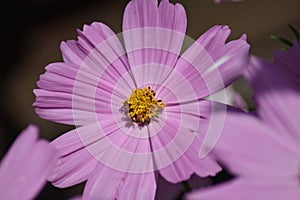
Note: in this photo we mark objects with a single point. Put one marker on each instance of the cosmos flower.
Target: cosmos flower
(24, 168)
(263, 151)
(137, 101)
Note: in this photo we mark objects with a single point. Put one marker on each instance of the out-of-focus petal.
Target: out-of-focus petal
(289, 63)
(251, 189)
(276, 96)
(250, 148)
(24, 169)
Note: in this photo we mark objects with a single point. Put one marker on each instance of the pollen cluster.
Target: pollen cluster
(142, 106)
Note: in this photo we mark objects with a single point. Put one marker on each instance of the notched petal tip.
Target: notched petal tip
(244, 37)
(64, 45)
(79, 32)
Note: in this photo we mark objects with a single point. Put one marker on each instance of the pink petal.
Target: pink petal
(24, 168)
(189, 163)
(97, 47)
(184, 140)
(251, 189)
(211, 64)
(72, 52)
(71, 92)
(106, 56)
(103, 52)
(81, 149)
(185, 166)
(153, 35)
(72, 96)
(106, 183)
(119, 147)
(276, 96)
(250, 148)
(58, 107)
(75, 162)
(183, 132)
(178, 89)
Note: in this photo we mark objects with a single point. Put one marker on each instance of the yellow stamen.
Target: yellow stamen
(142, 105)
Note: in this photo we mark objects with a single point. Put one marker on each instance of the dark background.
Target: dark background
(31, 32)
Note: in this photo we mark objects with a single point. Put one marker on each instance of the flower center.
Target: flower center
(142, 106)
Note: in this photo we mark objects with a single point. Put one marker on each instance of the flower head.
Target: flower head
(263, 151)
(24, 168)
(138, 105)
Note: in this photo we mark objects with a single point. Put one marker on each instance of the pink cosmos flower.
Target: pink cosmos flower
(264, 151)
(24, 168)
(137, 101)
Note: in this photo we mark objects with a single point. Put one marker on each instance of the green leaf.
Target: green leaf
(296, 33)
(280, 39)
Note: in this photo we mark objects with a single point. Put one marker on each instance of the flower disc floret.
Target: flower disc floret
(142, 106)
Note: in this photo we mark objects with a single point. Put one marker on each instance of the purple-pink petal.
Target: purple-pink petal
(211, 63)
(250, 148)
(75, 163)
(288, 62)
(277, 97)
(24, 169)
(189, 163)
(250, 189)
(153, 35)
(107, 183)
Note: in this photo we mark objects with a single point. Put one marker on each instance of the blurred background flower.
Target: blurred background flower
(24, 168)
(32, 31)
